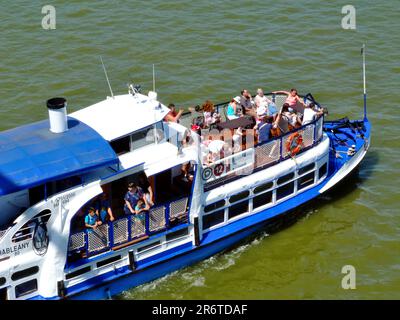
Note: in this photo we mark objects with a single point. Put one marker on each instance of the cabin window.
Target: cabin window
(239, 196)
(26, 288)
(322, 170)
(285, 178)
(3, 294)
(213, 219)
(61, 185)
(108, 261)
(150, 246)
(177, 234)
(2, 281)
(238, 209)
(77, 273)
(122, 145)
(306, 168)
(142, 138)
(305, 181)
(24, 273)
(263, 187)
(262, 199)
(26, 231)
(36, 194)
(214, 206)
(285, 190)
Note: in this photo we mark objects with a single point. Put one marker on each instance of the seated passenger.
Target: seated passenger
(292, 97)
(232, 111)
(264, 129)
(260, 99)
(247, 103)
(310, 114)
(91, 219)
(210, 116)
(132, 197)
(172, 115)
(141, 207)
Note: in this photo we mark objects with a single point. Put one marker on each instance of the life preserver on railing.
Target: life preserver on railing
(294, 143)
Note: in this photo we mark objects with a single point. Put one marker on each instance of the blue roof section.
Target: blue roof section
(31, 155)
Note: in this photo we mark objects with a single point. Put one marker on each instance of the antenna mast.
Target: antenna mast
(364, 82)
(154, 80)
(108, 81)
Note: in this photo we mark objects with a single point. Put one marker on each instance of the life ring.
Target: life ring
(294, 143)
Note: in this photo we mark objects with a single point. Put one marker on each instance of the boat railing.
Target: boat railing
(129, 229)
(260, 156)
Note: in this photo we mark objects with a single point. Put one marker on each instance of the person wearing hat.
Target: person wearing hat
(232, 111)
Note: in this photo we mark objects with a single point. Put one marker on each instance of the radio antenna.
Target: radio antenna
(364, 82)
(154, 80)
(108, 81)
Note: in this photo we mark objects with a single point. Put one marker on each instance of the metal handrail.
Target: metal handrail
(316, 140)
(110, 236)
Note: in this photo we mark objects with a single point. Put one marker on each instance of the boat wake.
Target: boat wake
(176, 284)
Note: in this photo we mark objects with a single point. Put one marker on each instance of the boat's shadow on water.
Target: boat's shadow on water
(348, 185)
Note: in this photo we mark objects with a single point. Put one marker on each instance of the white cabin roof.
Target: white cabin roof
(117, 117)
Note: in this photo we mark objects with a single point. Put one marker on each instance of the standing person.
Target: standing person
(103, 209)
(91, 219)
(292, 97)
(146, 189)
(132, 197)
(172, 115)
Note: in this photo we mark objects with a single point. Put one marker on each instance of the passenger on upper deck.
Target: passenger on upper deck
(264, 129)
(232, 110)
(247, 103)
(291, 116)
(91, 219)
(292, 98)
(260, 99)
(210, 116)
(310, 114)
(132, 197)
(172, 115)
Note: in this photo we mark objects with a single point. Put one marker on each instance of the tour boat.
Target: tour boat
(52, 170)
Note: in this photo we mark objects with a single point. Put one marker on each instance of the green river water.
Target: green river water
(211, 50)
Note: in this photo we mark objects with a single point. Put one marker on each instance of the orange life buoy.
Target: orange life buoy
(294, 143)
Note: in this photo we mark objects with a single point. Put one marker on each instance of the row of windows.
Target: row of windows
(263, 195)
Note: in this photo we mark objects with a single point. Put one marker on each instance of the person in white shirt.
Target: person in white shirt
(309, 114)
(260, 99)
